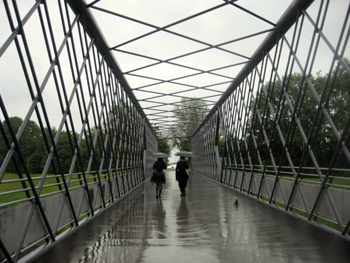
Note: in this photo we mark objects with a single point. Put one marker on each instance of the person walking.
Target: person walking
(158, 166)
(181, 175)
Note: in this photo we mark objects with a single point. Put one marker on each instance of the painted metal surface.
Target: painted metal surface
(262, 123)
(97, 109)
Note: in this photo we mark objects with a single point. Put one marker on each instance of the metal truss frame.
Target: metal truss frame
(112, 126)
(251, 126)
(114, 131)
(158, 110)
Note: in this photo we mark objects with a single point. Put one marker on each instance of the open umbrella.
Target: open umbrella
(184, 154)
(161, 155)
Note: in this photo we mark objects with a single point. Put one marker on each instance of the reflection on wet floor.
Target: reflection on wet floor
(205, 226)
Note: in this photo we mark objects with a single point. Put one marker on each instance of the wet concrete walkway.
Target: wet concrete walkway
(202, 227)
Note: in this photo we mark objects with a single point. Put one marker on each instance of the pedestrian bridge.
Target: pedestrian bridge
(203, 226)
(257, 90)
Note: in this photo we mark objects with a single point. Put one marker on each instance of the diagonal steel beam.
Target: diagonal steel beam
(286, 21)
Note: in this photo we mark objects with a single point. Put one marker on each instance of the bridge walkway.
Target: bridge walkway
(205, 226)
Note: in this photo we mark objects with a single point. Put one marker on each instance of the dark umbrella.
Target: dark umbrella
(184, 154)
(161, 155)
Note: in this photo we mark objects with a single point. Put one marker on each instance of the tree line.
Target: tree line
(35, 145)
(271, 101)
(191, 111)
(35, 151)
(298, 117)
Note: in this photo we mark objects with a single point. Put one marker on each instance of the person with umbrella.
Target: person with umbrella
(181, 174)
(159, 177)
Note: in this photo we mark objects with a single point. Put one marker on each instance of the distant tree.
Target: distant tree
(163, 144)
(124, 122)
(35, 152)
(36, 162)
(28, 141)
(322, 140)
(189, 114)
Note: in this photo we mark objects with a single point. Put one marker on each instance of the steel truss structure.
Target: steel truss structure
(262, 120)
(108, 148)
(96, 135)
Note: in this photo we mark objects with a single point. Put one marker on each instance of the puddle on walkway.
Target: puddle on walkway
(156, 230)
(204, 226)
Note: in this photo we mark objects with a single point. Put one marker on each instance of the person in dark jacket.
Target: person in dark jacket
(181, 175)
(159, 179)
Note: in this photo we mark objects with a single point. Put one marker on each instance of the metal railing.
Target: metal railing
(93, 141)
(281, 131)
(83, 142)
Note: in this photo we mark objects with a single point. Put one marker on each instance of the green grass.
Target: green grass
(49, 186)
(295, 210)
(336, 183)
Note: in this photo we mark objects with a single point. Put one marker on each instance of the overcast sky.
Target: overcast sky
(213, 28)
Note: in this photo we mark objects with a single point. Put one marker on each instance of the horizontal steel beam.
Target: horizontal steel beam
(94, 31)
(286, 21)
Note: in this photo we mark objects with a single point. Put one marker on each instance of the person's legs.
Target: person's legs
(182, 186)
(160, 187)
(157, 189)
